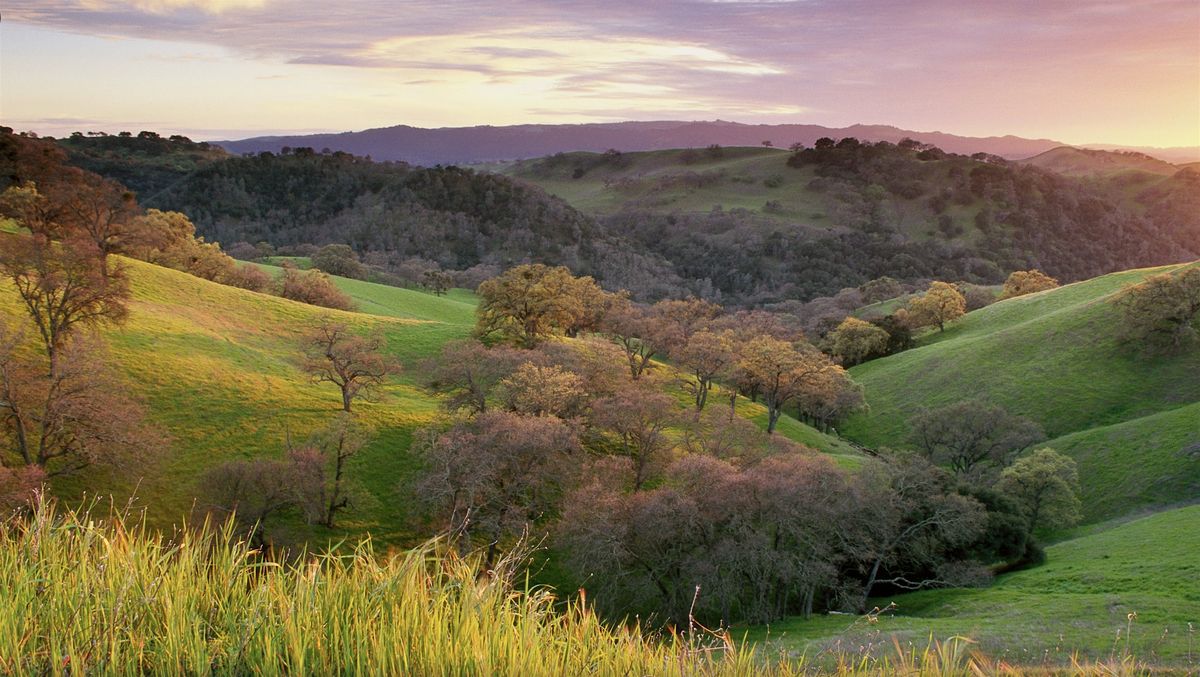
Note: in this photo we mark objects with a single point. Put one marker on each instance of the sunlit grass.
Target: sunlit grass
(93, 593)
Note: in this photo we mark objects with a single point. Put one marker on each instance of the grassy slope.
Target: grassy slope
(1052, 356)
(1077, 601)
(650, 180)
(217, 368)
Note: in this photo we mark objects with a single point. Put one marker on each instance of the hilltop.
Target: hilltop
(1071, 161)
(1129, 420)
(447, 145)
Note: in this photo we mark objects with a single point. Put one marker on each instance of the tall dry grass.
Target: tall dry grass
(81, 595)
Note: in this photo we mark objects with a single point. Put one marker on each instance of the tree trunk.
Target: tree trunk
(346, 397)
(334, 503)
(870, 584)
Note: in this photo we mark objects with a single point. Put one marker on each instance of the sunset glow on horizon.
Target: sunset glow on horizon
(1086, 72)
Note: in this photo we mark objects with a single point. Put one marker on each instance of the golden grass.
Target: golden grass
(110, 596)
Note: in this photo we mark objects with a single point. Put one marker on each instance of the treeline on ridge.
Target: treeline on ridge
(985, 217)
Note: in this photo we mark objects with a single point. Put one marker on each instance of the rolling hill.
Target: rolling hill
(743, 225)
(217, 367)
(763, 225)
(1071, 161)
(1130, 421)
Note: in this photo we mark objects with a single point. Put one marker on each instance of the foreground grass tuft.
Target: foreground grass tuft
(108, 596)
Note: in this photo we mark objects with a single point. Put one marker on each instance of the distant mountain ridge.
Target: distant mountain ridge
(448, 145)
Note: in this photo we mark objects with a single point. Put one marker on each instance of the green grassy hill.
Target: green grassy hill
(1078, 601)
(1128, 419)
(692, 180)
(218, 369)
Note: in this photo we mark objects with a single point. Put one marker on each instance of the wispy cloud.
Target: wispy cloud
(969, 66)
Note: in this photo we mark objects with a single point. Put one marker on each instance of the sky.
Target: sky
(1081, 71)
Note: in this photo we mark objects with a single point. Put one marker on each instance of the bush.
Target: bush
(977, 296)
(247, 277)
(339, 259)
(1023, 282)
(312, 287)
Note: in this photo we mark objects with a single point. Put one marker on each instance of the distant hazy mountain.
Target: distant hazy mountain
(481, 144)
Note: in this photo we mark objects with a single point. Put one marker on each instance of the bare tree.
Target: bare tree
(908, 520)
(970, 434)
(639, 417)
(252, 490)
(639, 333)
(63, 285)
(706, 355)
(104, 211)
(543, 391)
(494, 476)
(355, 364)
(71, 415)
(321, 494)
(467, 372)
(782, 371)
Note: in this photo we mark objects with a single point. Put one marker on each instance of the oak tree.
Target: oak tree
(856, 340)
(940, 304)
(1163, 311)
(1046, 484)
(969, 435)
(356, 364)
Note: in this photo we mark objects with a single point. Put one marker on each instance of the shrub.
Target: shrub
(339, 259)
(1023, 282)
(247, 277)
(312, 287)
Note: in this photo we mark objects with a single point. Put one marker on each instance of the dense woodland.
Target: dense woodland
(987, 216)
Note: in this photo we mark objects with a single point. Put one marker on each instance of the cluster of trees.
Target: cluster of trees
(310, 478)
(1023, 217)
(146, 162)
(853, 340)
(45, 194)
(754, 353)
(456, 218)
(648, 499)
